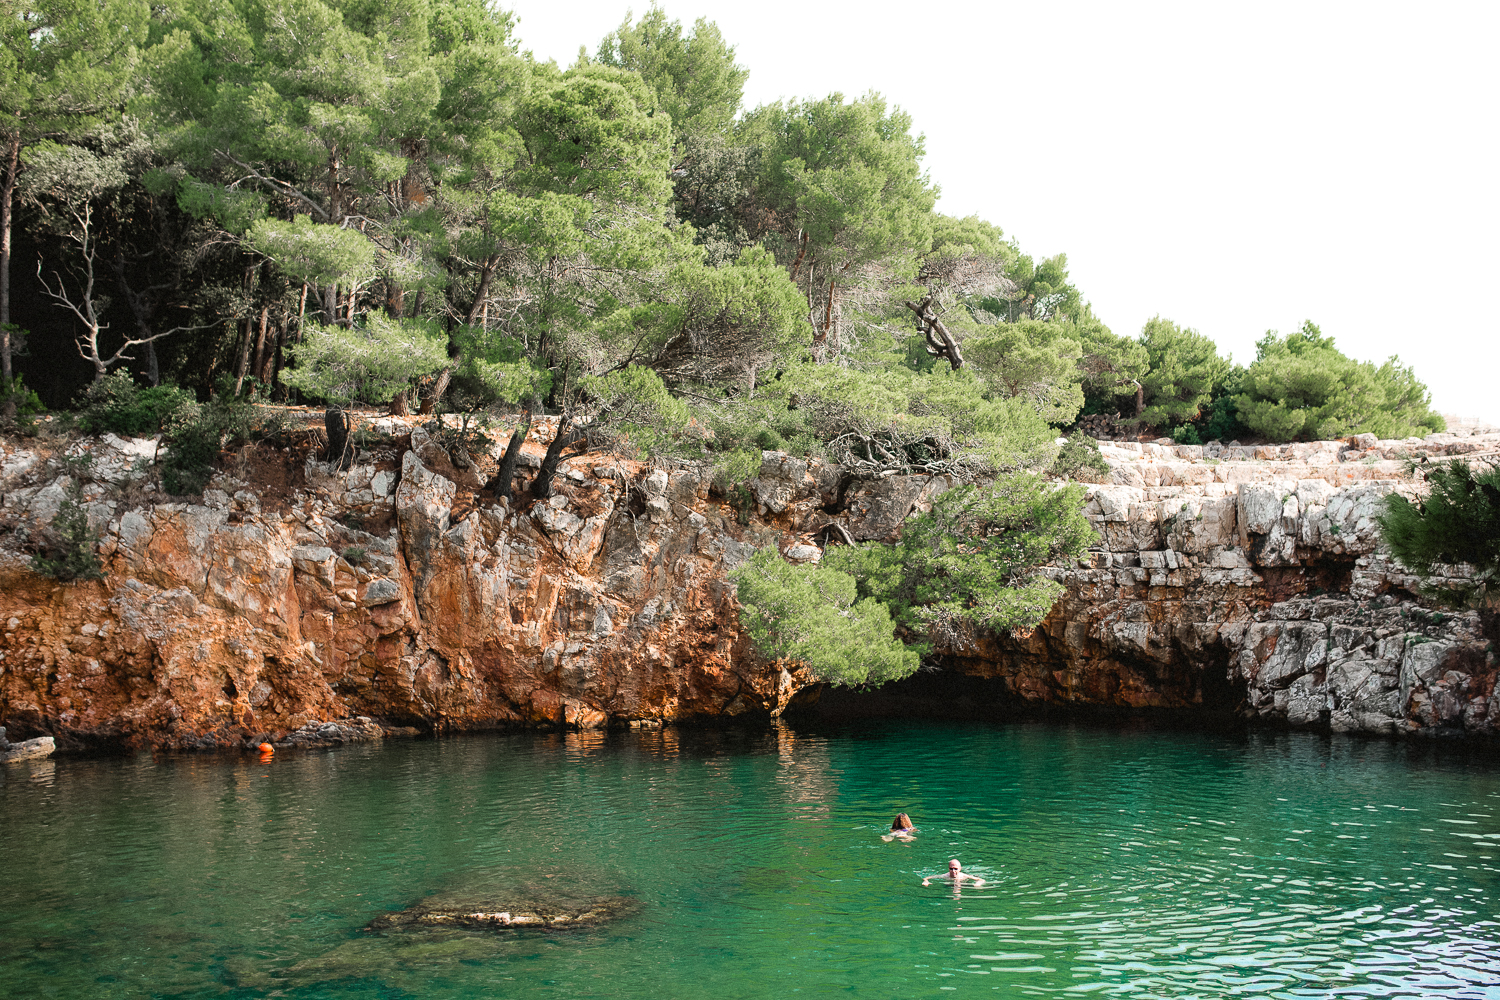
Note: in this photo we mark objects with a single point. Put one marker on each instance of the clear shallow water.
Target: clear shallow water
(1141, 864)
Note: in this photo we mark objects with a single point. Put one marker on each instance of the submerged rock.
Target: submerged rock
(490, 916)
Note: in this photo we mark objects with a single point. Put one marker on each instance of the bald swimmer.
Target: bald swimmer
(957, 874)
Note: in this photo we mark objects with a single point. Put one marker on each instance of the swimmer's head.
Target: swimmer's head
(954, 866)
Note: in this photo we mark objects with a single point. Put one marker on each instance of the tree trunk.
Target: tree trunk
(1140, 399)
(7, 199)
(482, 293)
(153, 367)
(257, 366)
(276, 355)
(431, 399)
(542, 488)
(940, 343)
(399, 405)
(244, 362)
(336, 423)
(505, 478)
(802, 252)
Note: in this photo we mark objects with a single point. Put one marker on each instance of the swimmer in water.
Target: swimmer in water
(957, 874)
(900, 828)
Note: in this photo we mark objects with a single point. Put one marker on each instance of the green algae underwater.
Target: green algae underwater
(750, 863)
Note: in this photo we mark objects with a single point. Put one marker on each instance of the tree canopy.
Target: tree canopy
(1302, 387)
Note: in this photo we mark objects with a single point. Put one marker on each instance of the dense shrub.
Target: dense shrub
(69, 554)
(27, 403)
(1457, 524)
(975, 556)
(199, 434)
(115, 404)
(812, 614)
(1302, 387)
(1222, 422)
(1186, 434)
(1080, 452)
(1184, 369)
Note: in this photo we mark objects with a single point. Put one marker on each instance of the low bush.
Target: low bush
(1080, 452)
(69, 553)
(1302, 387)
(27, 403)
(200, 432)
(1456, 526)
(1186, 434)
(115, 404)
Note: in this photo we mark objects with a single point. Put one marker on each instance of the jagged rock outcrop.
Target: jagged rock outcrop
(222, 622)
(400, 591)
(1204, 597)
(509, 914)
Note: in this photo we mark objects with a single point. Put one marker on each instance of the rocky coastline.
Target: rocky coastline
(306, 605)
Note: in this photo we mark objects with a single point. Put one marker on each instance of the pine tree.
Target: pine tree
(1451, 538)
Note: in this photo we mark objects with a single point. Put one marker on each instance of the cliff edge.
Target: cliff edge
(400, 589)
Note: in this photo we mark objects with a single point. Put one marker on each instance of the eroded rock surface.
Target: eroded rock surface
(223, 621)
(1204, 597)
(35, 749)
(400, 591)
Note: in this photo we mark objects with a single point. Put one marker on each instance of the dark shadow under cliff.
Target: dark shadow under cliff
(942, 694)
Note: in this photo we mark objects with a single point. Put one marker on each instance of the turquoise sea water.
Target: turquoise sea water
(1142, 864)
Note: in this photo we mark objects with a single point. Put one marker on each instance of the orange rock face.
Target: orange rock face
(219, 622)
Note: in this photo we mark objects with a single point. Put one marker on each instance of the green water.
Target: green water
(1120, 863)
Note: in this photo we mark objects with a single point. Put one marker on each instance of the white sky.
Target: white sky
(1233, 168)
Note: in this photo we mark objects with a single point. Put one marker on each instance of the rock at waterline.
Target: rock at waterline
(35, 749)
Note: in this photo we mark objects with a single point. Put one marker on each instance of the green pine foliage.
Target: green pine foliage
(115, 404)
(373, 362)
(1185, 367)
(1032, 360)
(1079, 453)
(813, 614)
(1450, 538)
(70, 555)
(976, 557)
(693, 74)
(1301, 387)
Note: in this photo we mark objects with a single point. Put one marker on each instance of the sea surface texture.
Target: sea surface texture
(751, 864)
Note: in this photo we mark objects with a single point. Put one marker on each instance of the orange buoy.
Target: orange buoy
(267, 748)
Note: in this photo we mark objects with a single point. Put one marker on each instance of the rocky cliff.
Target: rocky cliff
(395, 589)
(295, 594)
(1227, 579)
